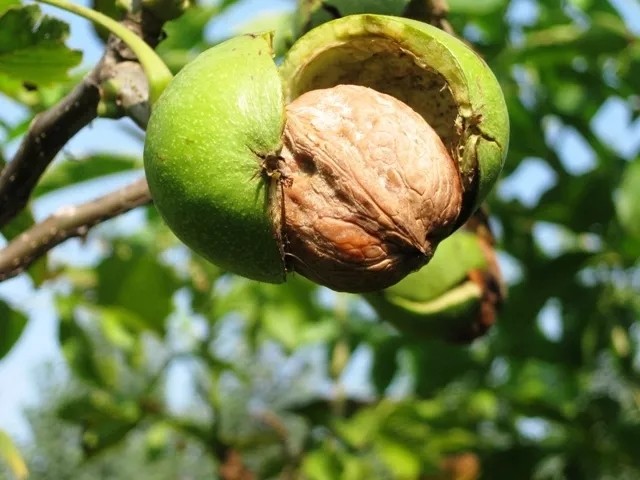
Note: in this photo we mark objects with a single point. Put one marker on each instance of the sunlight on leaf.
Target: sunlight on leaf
(32, 47)
(11, 456)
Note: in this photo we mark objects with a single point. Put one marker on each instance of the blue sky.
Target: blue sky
(38, 345)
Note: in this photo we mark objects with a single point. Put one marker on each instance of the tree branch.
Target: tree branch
(68, 222)
(52, 129)
(439, 11)
(48, 133)
(433, 12)
(116, 81)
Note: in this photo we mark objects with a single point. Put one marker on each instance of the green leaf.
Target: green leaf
(401, 459)
(290, 315)
(133, 279)
(360, 430)
(32, 47)
(380, 7)
(105, 420)
(542, 387)
(185, 36)
(119, 327)
(475, 7)
(385, 363)
(78, 347)
(10, 455)
(561, 43)
(70, 172)
(321, 465)
(431, 372)
(7, 4)
(12, 324)
(103, 345)
(627, 200)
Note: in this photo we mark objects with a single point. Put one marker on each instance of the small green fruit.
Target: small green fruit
(455, 297)
(229, 166)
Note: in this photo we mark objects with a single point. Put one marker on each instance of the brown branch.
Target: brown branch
(439, 10)
(48, 133)
(52, 129)
(68, 222)
(117, 70)
(433, 12)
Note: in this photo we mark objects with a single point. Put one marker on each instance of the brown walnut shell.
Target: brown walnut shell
(368, 189)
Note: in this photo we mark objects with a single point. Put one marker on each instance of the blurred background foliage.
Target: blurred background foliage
(296, 381)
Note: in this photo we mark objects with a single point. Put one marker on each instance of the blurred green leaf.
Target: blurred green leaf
(12, 324)
(84, 353)
(134, 279)
(11, 456)
(7, 4)
(105, 421)
(385, 362)
(403, 460)
(71, 172)
(628, 199)
(186, 36)
(380, 7)
(475, 7)
(321, 465)
(32, 47)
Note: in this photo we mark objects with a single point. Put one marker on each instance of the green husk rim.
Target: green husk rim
(207, 137)
(440, 318)
(482, 114)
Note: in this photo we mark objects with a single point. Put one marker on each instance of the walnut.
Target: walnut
(368, 188)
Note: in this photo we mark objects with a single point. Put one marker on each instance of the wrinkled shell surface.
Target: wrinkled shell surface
(369, 189)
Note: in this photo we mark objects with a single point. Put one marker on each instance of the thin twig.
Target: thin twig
(439, 10)
(68, 222)
(433, 12)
